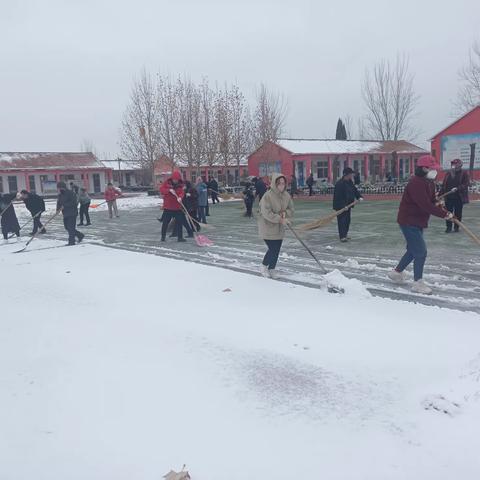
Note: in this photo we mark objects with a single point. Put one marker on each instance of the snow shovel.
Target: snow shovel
(330, 288)
(96, 205)
(467, 230)
(38, 231)
(322, 222)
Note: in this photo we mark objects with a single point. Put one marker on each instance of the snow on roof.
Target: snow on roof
(122, 165)
(48, 160)
(328, 146)
(181, 163)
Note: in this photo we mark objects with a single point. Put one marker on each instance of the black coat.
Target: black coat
(67, 202)
(260, 188)
(213, 185)
(190, 202)
(34, 203)
(9, 220)
(345, 193)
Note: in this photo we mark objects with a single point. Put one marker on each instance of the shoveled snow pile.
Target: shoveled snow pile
(120, 365)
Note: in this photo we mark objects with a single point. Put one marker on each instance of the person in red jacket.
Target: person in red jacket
(111, 195)
(418, 203)
(173, 192)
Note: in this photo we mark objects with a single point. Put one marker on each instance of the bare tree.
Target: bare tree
(140, 136)
(241, 131)
(88, 146)
(169, 111)
(349, 126)
(269, 117)
(208, 99)
(390, 100)
(469, 91)
(224, 128)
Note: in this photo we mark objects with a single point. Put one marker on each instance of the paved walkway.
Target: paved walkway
(453, 265)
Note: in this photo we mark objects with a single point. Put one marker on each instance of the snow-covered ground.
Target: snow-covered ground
(121, 365)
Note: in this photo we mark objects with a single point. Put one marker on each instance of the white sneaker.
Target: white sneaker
(273, 274)
(397, 277)
(265, 271)
(421, 287)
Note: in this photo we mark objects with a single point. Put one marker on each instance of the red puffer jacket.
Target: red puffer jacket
(170, 201)
(111, 194)
(418, 203)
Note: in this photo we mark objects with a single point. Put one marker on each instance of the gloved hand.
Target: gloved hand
(449, 216)
(360, 199)
(188, 195)
(454, 189)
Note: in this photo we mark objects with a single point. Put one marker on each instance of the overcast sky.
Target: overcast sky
(66, 67)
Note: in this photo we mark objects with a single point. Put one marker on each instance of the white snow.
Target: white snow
(122, 365)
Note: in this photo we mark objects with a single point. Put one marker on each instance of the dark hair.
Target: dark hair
(24, 192)
(109, 184)
(420, 172)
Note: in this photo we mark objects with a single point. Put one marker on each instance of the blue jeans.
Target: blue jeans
(416, 251)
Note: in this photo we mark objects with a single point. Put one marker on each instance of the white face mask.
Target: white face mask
(432, 174)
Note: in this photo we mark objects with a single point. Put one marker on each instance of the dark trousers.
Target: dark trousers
(343, 221)
(310, 190)
(84, 212)
(416, 251)
(248, 206)
(70, 223)
(179, 222)
(455, 205)
(271, 257)
(215, 198)
(202, 212)
(37, 223)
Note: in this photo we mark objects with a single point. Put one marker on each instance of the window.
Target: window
(31, 183)
(265, 169)
(66, 178)
(43, 180)
(128, 179)
(193, 176)
(322, 169)
(1, 184)
(12, 184)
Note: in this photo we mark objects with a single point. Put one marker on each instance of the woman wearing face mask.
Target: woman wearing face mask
(418, 203)
(276, 210)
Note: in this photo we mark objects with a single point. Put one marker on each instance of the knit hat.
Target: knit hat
(428, 161)
(456, 162)
(347, 171)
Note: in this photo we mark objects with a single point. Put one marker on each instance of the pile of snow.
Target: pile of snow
(116, 364)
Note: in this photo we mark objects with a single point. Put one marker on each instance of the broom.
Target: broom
(467, 230)
(322, 222)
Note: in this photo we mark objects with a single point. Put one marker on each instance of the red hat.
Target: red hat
(428, 161)
(176, 175)
(456, 162)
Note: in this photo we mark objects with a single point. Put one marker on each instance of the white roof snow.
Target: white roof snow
(329, 146)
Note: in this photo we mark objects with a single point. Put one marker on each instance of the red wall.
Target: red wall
(470, 123)
(270, 153)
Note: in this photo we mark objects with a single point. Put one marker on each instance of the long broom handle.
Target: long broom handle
(322, 268)
(441, 197)
(467, 230)
(44, 225)
(26, 223)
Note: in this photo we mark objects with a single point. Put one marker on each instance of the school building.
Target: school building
(39, 172)
(326, 159)
(461, 139)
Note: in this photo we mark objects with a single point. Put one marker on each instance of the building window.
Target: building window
(322, 169)
(12, 184)
(193, 176)
(31, 183)
(265, 169)
(128, 179)
(1, 184)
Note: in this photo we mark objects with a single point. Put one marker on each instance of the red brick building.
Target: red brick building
(39, 172)
(461, 139)
(326, 159)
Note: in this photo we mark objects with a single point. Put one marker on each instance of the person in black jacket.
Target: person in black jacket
(190, 202)
(260, 188)
(9, 221)
(344, 194)
(36, 206)
(248, 198)
(310, 183)
(213, 189)
(67, 203)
